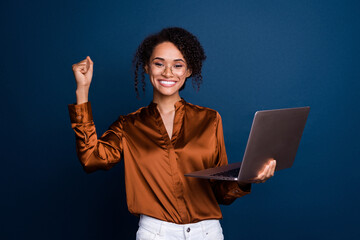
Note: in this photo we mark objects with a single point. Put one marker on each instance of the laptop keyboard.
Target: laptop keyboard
(230, 173)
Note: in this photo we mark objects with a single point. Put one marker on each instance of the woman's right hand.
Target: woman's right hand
(83, 72)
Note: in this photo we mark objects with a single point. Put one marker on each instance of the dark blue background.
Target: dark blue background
(261, 55)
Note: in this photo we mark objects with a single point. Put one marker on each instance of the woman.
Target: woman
(161, 142)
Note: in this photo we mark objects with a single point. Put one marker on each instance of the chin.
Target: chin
(167, 91)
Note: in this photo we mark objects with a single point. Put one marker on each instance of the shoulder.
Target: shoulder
(142, 115)
(202, 112)
(197, 108)
(138, 113)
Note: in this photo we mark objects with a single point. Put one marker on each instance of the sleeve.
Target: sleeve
(225, 191)
(95, 153)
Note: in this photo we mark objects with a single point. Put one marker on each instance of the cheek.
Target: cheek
(182, 85)
(152, 77)
(183, 79)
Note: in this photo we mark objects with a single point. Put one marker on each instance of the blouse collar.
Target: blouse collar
(177, 104)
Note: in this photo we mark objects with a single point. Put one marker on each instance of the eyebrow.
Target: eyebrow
(179, 59)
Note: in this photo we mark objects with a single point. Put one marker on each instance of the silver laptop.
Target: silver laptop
(274, 134)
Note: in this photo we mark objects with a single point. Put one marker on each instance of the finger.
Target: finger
(76, 65)
(83, 62)
(86, 65)
(91, 62)
(273, 168)
(270, 171)
(78, 69)
(264, 173)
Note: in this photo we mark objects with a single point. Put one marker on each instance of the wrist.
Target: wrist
(82, 94)
(81, 88)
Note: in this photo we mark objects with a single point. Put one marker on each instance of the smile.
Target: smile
(167, 83)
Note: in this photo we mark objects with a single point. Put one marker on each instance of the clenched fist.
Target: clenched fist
(83, 72)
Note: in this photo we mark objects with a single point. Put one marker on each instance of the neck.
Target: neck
(166, 104)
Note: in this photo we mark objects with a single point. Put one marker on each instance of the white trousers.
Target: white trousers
(155, 229)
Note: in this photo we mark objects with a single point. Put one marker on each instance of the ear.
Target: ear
(146, 67)
(188, 73)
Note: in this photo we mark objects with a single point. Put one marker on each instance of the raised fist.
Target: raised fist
(83, 72)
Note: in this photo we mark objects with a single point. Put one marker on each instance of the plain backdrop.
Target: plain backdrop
(260, 55)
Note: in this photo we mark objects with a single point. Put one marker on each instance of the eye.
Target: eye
(178, 66)
(158, 64)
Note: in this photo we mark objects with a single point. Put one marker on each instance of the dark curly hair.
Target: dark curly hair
(187, 44)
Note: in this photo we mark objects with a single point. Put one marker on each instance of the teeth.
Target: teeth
(167, 82)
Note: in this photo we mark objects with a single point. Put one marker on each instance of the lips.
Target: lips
(167, 83)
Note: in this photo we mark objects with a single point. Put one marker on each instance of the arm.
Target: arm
(226, 191)
(92, 152)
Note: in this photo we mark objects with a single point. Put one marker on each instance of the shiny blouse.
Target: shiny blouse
(155, 164)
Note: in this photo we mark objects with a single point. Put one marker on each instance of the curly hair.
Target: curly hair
(187, 44)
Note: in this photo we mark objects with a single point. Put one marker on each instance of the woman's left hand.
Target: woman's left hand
(266, 173)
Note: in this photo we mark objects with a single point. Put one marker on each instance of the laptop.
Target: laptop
(274, 134)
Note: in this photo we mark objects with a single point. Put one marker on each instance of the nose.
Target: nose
(167, 72)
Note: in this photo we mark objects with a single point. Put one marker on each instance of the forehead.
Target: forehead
(167, 51)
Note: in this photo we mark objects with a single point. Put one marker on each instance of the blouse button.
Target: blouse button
(79, 117)
(188, 229)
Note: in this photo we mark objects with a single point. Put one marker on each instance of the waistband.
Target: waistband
(158, 226)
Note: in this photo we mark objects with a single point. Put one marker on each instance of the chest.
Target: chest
(168, 121)
(187, 132)
(180, 139)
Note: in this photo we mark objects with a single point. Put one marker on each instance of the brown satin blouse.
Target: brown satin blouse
(155, 164)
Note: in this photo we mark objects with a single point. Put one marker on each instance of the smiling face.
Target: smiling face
(167, 69)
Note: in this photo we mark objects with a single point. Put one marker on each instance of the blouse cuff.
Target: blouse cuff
(236, 191)
(80, 113)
